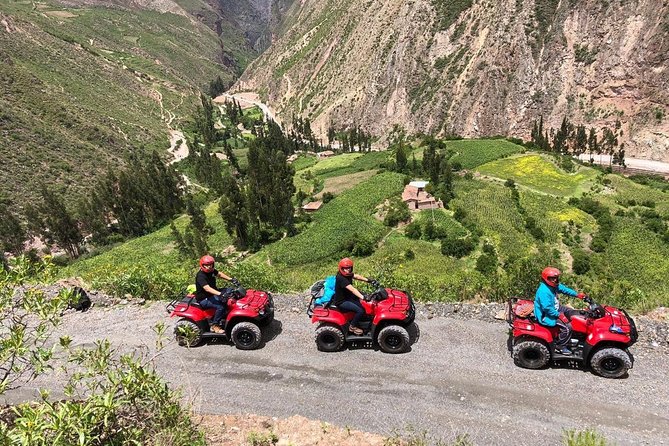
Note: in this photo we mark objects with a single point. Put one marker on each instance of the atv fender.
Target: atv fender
(396, 317)
(332, 317)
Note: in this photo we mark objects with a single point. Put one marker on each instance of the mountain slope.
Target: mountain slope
(473, 67)
(84, 84)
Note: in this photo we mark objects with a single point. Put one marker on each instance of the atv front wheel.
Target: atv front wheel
(394, 339)
(329, 338)
(531, 354)
(611, 362)
(187, 333)
(246, 336)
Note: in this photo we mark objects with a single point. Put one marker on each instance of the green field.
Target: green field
(495, 213)
(472, 153)
(627, 191)
(630, 272)
(538, 173)
(336, 222)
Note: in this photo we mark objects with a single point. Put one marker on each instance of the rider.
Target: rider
(208, 295)
(346, 296)
(548, 309)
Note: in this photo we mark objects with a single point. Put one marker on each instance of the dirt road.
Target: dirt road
(458, 378)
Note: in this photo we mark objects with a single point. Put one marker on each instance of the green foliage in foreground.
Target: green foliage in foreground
(113, 398)
(584, 438)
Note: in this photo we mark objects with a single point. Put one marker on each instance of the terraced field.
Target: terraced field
(540, 174)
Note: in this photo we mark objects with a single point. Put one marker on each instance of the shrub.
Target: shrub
(328, 197)
(581, 263)
(583, 438)
(397, 211)
(413, 231)
(258, 439)
(456, 247)
(360, 246)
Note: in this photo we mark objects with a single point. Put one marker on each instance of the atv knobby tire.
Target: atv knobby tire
(394, 339)
(329, 338)
(246, 336)
(611, 362)
(531, 354)
(187, 333)
(414, 332)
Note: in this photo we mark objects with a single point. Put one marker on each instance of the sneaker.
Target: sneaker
(355, 330)
(564, 351)
(217, 329)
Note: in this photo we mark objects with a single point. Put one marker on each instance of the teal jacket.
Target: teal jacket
(546, 303)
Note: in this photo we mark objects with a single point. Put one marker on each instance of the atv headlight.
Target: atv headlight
(261, 312)
(617, 330)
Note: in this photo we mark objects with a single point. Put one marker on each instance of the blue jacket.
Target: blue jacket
(546, 303)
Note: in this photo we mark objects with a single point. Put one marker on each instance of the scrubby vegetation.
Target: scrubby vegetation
(113, 398)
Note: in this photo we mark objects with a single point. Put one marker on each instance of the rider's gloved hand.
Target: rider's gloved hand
(235, 282)
(375, 283)
(367, 297)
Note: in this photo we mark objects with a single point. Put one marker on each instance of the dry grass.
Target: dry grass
(340, 184)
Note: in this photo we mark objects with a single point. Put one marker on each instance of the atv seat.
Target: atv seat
(191, 301)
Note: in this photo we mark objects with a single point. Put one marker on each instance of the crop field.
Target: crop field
(552, 213)
(538, 173)
(304, 162)
(334, 163)
(347, 215)
(627, 190)
(638, 258)
(442, 219)
(494, 211)
(337, 185)
(153, 251)
(371, 160)
(472, 153)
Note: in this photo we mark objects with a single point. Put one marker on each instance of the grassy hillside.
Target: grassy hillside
(82, 87)
(628, 272)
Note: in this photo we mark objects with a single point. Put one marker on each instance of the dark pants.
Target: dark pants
(221, 306)
(356, 307)
(565, 328)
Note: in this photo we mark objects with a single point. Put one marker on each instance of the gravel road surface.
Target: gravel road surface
(458, 378)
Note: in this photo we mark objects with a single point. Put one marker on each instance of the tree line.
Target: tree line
(576, 140)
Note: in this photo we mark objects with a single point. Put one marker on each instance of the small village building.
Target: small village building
(326, 154)
(312, 206)
(415, 196)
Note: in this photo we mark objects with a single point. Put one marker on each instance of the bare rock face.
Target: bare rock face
(488, 68)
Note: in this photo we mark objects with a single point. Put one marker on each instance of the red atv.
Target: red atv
(601, 336)
(248, 310)
(388, 322)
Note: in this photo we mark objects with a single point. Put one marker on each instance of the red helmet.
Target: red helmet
(346, 263)
(551, 276)
(206, 260)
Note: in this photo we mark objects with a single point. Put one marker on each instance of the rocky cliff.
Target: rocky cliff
(473, 68)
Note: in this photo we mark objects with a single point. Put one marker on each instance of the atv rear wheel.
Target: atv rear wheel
(187, 333)
(329, 338)
(414, 332)
(246, 336)
(531, 354)
(611, 362)
(394, 339)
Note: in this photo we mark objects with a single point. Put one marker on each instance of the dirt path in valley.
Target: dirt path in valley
(459, 378)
